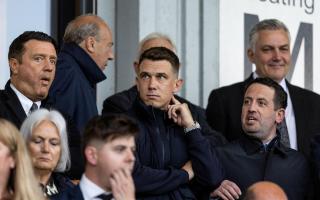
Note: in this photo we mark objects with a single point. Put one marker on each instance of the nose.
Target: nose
(251, 106)
(276, 54)
(49, 66)
(45, 147)
(152, 83)
(111, 54)
(130, 156)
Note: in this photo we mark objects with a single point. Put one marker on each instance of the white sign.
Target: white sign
(300, 16)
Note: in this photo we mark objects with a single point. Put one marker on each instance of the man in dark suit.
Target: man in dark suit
(32, 60)
(108, 147)
(270, 52)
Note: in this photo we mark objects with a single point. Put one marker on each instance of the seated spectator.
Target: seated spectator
(122, 102)
(46, 138)
(259, 155)
(174, 160)
(265, 190)
(108, 148)
(17, 179)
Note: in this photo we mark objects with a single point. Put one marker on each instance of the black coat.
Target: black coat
(162, 148)
(61, 182)
(70, 194)
(122, 102)
(12, 110)
(246, 162)
(224, 112)
(73, 89)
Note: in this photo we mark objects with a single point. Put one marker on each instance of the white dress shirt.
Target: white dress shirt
(89, 189)
(290, 119)
(25, 101)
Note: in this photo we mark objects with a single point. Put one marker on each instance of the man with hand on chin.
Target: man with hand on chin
(173, 158)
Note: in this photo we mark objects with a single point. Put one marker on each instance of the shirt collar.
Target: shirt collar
(89, 189)
(282, 83)
(25, 101)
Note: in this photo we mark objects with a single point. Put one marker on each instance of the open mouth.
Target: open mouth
(45, 81)
(251, 119)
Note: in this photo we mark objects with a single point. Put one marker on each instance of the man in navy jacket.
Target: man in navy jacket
(85, 53)
(259, 155)
(173, 158)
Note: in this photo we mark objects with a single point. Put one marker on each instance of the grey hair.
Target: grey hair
(77, 31)
(152, 36)
(57, 119)
(267, 24)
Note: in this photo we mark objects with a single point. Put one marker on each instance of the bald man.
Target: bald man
(84, 55)
(265, 190)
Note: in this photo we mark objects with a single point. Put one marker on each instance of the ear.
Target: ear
(91, 155)
(89, 44)
(178, 85)
(14, 65)
(250, 54)
(136, 66)
(12, 163)
(280, 113)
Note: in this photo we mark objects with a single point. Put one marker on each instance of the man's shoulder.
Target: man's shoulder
(296, 90)
(230, 148)
(296, 155)
(74, 193)
(191, 105)
(120, 102)
(230, 89)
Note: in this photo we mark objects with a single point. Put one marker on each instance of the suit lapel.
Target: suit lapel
(299, 112)
(14, 104)
(76, 193)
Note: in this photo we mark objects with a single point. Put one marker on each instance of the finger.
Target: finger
(221, 195)
(174, 112)
(179, 121)
(232, 191)
(228, 194)
(170, 111)
(174, 100)
(234, 187)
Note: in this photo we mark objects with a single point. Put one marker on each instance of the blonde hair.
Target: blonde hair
(22, 180)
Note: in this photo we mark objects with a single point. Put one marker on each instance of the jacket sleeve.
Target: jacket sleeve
(215, 137)
(151, 181)
(205, 164)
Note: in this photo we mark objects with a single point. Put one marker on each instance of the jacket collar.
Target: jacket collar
(88, 66)
(151, 113)
(252, 145)
(13, 102)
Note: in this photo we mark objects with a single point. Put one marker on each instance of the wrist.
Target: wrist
(193, 126)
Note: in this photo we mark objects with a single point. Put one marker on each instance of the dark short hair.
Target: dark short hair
(280, 96)
(107, 128)
(17, 47)
(161, 53)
